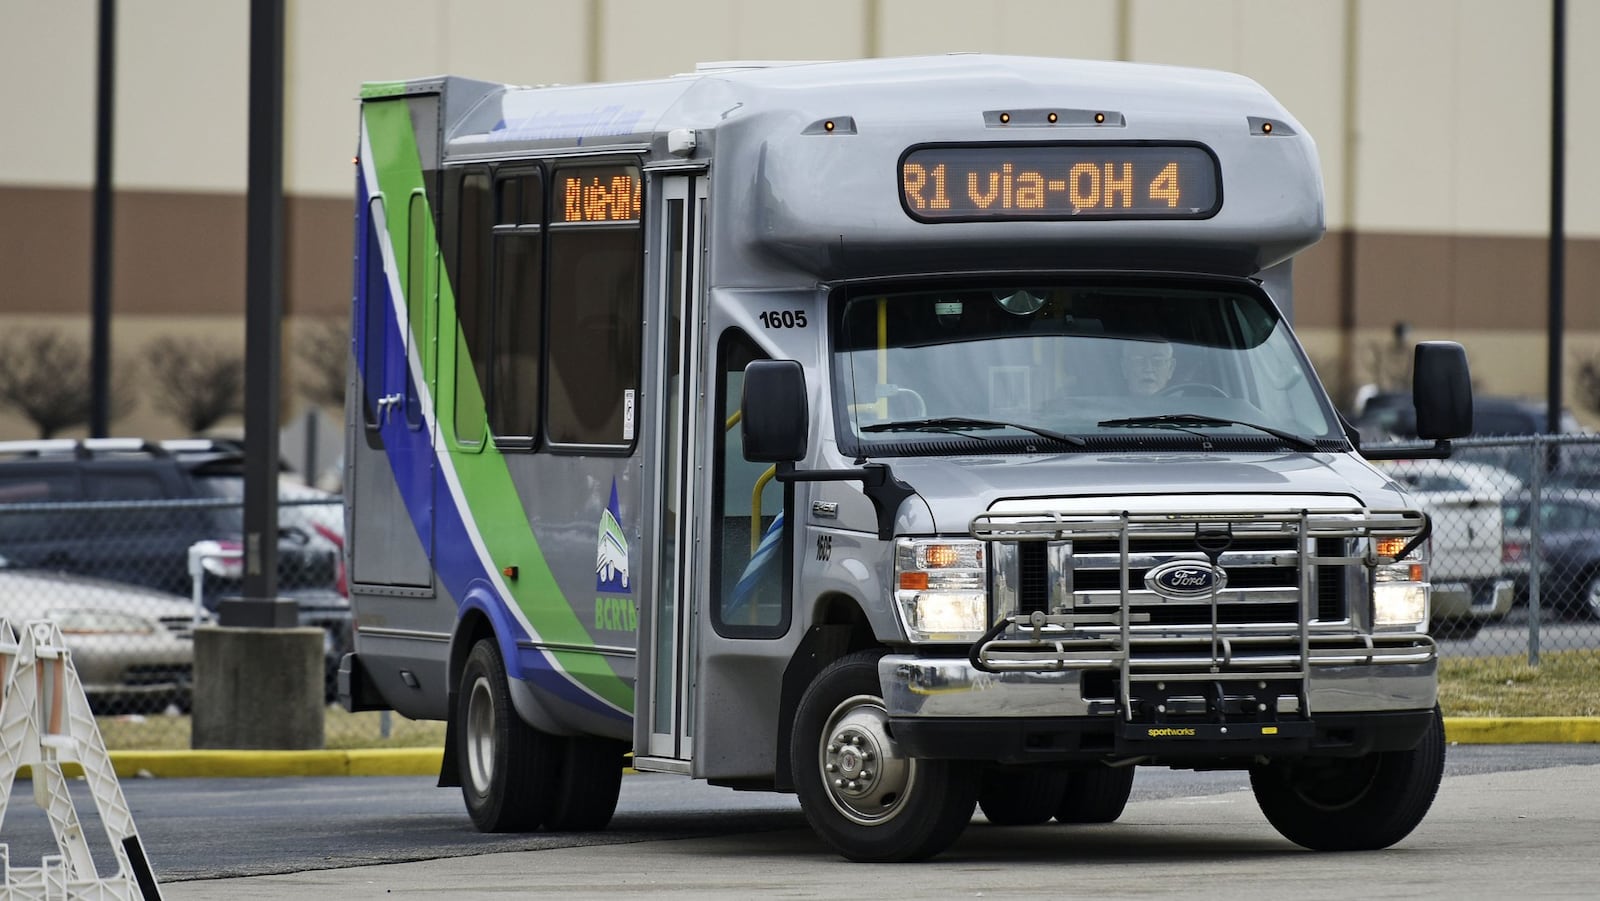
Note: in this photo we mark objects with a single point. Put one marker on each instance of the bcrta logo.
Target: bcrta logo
(611, 554)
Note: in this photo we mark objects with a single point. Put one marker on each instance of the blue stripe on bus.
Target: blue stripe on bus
(460, 570)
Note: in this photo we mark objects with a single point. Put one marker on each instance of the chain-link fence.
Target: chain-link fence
(1514, 560)
(1516, 543)
(128, 581)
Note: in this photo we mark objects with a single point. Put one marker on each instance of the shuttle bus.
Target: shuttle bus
(917, 436)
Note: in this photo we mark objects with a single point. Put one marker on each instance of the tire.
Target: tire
(1095, 794)
(886, 806)
(1021, 796)
(591, 779)
(508, 769)
(1588, 602)
(1461, 629)
(1352, 804)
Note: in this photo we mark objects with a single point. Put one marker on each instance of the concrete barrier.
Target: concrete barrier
(258, 688)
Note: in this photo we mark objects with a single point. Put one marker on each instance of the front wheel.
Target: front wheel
(508, 768)
(1353, 804)
(859, 791)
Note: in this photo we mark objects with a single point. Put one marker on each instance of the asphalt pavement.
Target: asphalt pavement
(1522, 833)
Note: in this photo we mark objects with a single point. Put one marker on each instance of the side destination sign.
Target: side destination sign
(969, 183)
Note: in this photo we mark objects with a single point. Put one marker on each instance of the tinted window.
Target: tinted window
(467, 253)
(518, 307)
(595, 272)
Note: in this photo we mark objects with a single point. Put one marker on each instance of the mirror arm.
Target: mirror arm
(1440, 450)
(877, 482)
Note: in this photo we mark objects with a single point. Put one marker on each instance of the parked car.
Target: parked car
(1463, 501)
(133, 647)
(1391, 416)
(149, 545)
(1569, 551)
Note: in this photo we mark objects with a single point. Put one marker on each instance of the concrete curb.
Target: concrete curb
(425, 761)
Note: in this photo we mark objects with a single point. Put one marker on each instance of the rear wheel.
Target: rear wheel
(859, 791)
(1095, 794)
(591, 779)
(508, 768)
(1021, 796)
(1353, 804)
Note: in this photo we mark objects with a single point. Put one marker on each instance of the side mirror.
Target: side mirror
(774, 412)
(1441, 390)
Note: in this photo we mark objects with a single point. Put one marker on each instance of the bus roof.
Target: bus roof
(811, 152)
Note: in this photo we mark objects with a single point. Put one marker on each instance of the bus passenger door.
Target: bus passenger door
(664, 690)
(392, 468)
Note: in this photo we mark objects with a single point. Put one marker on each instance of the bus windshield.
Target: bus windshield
(1071, 362)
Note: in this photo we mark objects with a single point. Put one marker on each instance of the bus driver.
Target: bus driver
(1146, 366)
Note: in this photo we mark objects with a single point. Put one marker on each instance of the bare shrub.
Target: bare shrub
(46, 376)
(322, 347)
(194, 381)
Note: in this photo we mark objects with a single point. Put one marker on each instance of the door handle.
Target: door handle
(387, 403)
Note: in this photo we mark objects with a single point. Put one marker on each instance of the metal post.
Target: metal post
(100, 264)
(260, 605)
(1558, 139)
(1535, 557)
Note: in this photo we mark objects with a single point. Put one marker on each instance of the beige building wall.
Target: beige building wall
(1431, 118)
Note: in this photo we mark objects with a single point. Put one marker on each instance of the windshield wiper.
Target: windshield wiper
(1183, 421)
(956, 424)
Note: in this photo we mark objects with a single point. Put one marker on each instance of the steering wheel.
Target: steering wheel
(1192, 389)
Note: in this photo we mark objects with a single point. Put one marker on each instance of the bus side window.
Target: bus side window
(466, 247)
(596, 267)
(517, 320)
(749, 560)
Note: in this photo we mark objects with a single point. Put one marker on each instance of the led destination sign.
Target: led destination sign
(1063, 181)
(597, 194)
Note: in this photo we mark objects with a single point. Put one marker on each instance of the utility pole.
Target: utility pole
(100, 262)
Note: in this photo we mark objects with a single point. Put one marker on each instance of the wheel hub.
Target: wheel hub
(865, 775)
(480, 737)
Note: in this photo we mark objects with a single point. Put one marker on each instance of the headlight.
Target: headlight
(1400, 595)
(940, 589)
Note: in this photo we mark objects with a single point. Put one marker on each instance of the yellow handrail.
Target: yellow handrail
(755, 508)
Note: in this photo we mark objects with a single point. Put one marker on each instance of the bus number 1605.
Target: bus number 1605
(784, 318)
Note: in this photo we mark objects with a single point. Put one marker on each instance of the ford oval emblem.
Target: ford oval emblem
(1185, 580)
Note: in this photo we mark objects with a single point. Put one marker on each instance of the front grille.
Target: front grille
(1033, 577)
(1331, 604)
(181, 626)
(158, 674)
(1069, 591)
(1263, 579)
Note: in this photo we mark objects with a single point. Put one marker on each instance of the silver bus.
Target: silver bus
(916, 436)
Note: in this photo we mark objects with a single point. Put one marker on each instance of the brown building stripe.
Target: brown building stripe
(183, 254)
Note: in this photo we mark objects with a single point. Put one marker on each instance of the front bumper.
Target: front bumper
(944, 707)
(1477, 599)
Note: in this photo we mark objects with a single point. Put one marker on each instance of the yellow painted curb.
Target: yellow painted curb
(200, 764)
(1472, 730)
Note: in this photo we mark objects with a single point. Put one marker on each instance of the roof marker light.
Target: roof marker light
(1099, 118)
(1005, 118)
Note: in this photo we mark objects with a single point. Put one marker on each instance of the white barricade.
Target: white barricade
(45, 722)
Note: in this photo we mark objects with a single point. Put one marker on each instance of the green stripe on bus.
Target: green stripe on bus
(375, 89)
(486, 483)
